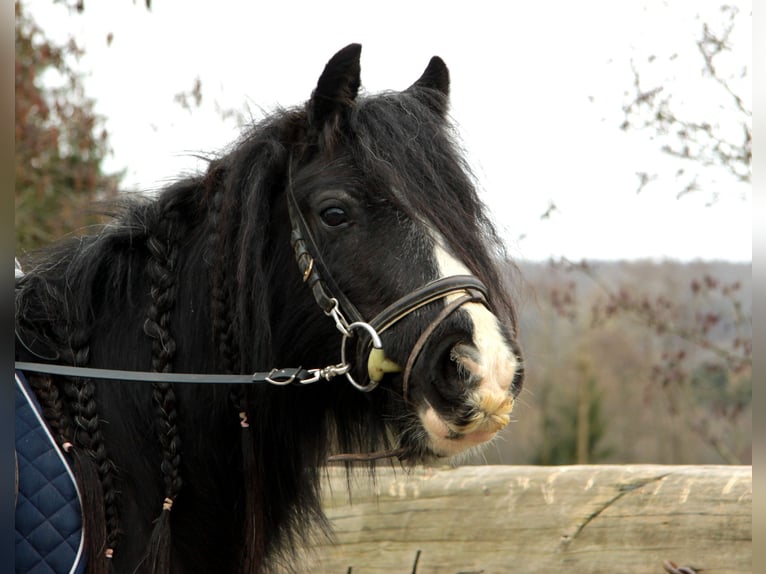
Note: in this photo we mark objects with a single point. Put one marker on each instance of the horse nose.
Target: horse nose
(490, 384)
(473, 376)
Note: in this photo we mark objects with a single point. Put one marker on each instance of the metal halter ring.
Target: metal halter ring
(376, 343)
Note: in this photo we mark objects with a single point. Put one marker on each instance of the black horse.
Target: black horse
(343, 242)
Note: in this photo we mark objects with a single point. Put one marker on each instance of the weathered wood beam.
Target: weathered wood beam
(579, 519)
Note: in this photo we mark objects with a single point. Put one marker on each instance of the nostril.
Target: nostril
(449, 383)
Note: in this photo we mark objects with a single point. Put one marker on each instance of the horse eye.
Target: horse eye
(334, 216)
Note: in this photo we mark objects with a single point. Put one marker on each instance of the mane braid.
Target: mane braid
(53, 407)
(224, 336)
(85, 472)
(99, 494)
(161, 268)
(220, 290)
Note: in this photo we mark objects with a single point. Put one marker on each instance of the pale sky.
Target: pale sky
(537, 95)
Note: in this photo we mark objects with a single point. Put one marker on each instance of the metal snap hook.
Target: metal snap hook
(340, 321)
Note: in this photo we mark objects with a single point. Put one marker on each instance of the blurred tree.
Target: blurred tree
(60, 141)
(574, 429)
(701, 353)
(642, 362)
(704, 367)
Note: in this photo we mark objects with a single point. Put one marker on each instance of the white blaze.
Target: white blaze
(494, 367)
(497, 364)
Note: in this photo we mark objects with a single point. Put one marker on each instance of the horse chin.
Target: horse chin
(446, 440)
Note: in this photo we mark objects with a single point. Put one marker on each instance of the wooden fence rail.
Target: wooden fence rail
(573, 519)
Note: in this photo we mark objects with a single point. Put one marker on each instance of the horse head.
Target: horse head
(392, 239)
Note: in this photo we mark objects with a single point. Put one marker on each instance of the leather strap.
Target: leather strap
(430, 292)
(276, 376)
(315, 273)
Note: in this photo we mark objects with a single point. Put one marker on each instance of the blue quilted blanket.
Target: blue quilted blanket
(49, 536)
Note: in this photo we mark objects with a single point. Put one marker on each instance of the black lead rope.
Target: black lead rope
(274, 377)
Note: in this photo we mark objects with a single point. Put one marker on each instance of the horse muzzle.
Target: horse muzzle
(467, 390)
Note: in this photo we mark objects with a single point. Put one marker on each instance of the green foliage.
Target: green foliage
(721, 392)
(560, 423)
(60, 141)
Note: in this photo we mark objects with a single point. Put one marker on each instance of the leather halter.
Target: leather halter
(335, 304)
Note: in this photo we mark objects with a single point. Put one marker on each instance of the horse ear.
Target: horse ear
(337, 86)
(436, 78)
